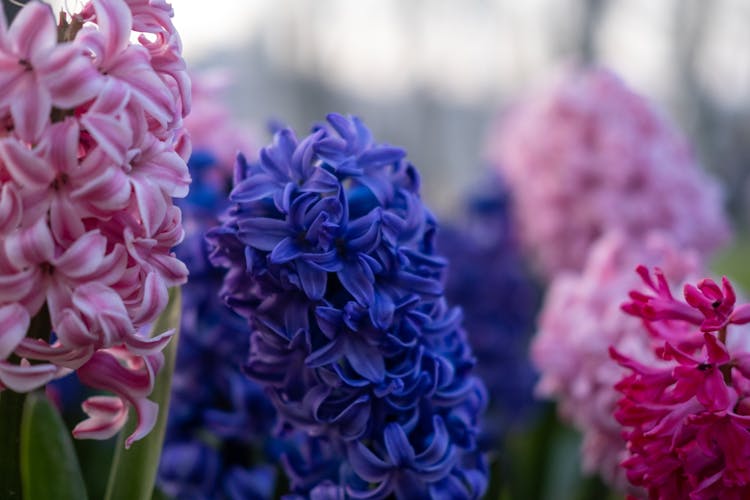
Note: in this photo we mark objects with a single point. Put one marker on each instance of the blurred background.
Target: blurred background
(431, 75)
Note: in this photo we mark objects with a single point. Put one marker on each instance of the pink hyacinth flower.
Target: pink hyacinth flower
(686, 414)
(580, 319)
(37, 73)
(589, 155)
(92, 156)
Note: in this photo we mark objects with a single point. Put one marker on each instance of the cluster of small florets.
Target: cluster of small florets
(580, 319)
(686, 416)
(489, 280)
(590, 156)
(92, 150)
(218, 441)
(330, 256)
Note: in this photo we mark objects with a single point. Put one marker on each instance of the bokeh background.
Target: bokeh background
(430, 74)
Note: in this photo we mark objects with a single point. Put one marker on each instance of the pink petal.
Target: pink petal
(72, 331)
(25, 377)
(169, 171)
(68, 357)
(113, 266)
(152, 204)
(70, 76)
(33, 300)
(33, 31)
(14, 322)
(148, 346)
(173, 271)
(717, 351)
(30, 108)
(112, 99)
(113, 136)
(25, 167)
(107, 415)
(11, 210)
(104, 371)
(133, 67)
(61, 143)
(153, 300)
(741, 315)
(104, 307)
(115, 22)
(15, 286)
(84, 257)
(65, 220)
(30, 246)
(12, 76)
(102, 183)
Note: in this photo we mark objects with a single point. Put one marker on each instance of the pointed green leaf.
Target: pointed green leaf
(49, 466)
(133, 471)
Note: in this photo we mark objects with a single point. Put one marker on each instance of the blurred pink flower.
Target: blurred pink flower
(211, 124)
(685, 414)
(91, 156)
(589, 155)
(580, 319)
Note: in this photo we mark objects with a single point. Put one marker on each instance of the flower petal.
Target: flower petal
(14, 322)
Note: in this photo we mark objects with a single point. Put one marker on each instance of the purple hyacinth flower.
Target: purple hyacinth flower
(219, 440)
(330, 256)
(488, 278)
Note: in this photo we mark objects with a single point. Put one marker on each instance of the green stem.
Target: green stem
(11, 412)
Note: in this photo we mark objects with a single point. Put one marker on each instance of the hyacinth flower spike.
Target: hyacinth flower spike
(219, 440)
(92, 155)
(685, 415)
(331, 259)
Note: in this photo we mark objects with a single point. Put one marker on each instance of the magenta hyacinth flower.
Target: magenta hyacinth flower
(686, 413)
(589, 155)
(580, 319)
(91, 154)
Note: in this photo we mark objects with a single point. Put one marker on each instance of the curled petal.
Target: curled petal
(14, 321)
(148, 346)
(72, 331)
(153, 300)
(11, 209)
(106, 416)
(104, 371)
(152, 205)
(68, 357)
(26, 377)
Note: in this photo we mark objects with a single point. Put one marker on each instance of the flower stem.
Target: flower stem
(11, 412)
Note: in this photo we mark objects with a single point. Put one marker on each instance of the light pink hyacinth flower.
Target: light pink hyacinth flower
(212, 125)
(589, 155)
(580, 319)
(92, 152)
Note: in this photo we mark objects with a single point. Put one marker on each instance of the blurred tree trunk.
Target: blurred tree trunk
(592, 12)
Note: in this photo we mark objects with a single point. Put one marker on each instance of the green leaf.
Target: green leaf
(49, 467)
(133, 472)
